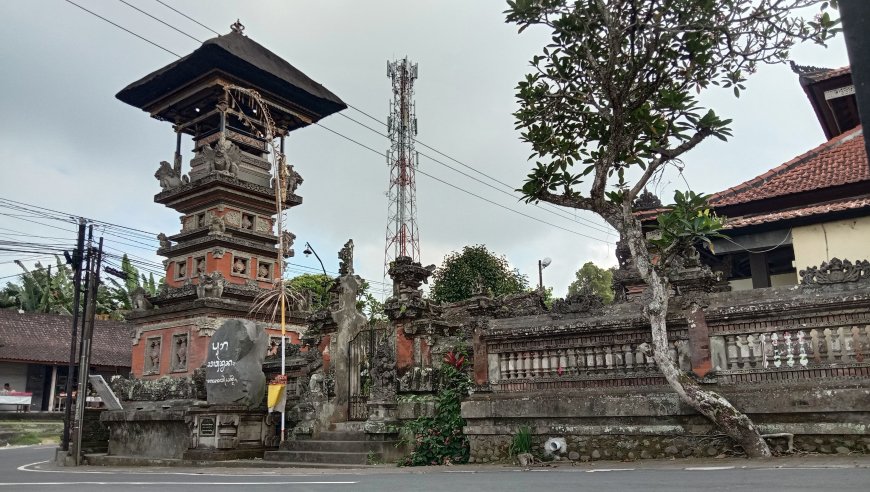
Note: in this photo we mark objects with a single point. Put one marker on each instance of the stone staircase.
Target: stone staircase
(342, 447)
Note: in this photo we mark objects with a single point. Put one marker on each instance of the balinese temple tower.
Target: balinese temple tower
(238, 101)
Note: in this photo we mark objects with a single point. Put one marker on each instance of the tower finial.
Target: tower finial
(238, 27)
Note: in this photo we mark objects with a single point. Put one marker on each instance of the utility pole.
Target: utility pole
(77, 257)
(85, 354)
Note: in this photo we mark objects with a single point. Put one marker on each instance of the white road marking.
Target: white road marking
(609, 470)
(708, 468)
(156, 471)
(174, 483)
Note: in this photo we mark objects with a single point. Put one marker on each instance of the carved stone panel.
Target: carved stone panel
(264, 271)
(263, 225)
(241, 266)
(179, 352)
(152, 355)
(233, 218)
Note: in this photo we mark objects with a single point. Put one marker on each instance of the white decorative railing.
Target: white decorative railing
(792, 348)
(573, 361)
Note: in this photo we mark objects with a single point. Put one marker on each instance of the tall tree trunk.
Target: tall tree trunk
(712, 405)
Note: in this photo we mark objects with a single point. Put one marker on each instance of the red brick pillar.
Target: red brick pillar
(481, 358)
(699, 340)
(404, 350)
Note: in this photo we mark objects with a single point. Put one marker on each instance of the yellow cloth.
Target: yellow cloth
(277, 397)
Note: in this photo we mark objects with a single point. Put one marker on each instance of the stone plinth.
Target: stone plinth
(148, 429)
(225, 432)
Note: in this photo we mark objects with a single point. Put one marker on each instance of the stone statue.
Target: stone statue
(170, 177)
(217, 225)
(263, 271)
(224, 158)
(294, 180)
(240, 266)
(140, 300)
(154, 355)
(345, 258)
(287, 243)
(210, 285)
(164, 241)
(179, 360)
(316, 385)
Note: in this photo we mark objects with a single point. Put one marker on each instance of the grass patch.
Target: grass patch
(26, 439)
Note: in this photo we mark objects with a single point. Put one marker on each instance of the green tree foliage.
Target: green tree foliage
(612, 101)
(37, 291)
(369, 304)
(312, 286)
(592, 279)
(461, 273)
(41, 292)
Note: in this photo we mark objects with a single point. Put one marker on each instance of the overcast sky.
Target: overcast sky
(67, 144)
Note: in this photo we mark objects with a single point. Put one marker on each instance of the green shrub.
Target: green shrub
(522, 441)
(439, 440)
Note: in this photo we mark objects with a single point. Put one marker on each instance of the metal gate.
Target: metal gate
(360, 351)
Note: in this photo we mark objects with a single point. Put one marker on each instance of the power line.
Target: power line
(187, 17)
(469, 192)
(123, 28)
(500, 190)
(159, 20)
(467, 166)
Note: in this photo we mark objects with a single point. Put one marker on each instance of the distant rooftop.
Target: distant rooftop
(45, 338)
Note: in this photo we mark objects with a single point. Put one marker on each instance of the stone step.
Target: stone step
(340, 435)
(330, 457)
(335, 446)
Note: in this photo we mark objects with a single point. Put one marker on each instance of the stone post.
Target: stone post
(406, 305)
(692, 283)
(349, 321)
(382, 404)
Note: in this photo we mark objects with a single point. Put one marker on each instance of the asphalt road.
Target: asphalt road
(26, 469)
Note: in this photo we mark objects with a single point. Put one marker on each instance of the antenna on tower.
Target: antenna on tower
(402, 233)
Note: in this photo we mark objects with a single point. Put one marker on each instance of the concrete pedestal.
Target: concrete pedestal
(226, 432)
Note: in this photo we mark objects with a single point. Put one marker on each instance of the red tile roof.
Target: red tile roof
(827, 73)
(45, 338)
(839, 161)
(801, 212)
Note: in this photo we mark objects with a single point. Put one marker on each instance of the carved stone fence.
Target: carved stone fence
(771, 335)
(574, 356)
(824, 340)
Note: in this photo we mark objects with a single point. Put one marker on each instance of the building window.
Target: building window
(200, 220)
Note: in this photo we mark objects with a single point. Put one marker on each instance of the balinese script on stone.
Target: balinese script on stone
(234, 367)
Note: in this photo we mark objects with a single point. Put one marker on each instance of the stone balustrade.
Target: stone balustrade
(771, 335)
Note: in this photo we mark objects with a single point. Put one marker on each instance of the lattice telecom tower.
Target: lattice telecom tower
(402, 234)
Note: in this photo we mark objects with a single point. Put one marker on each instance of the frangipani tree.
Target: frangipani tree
(612, 101)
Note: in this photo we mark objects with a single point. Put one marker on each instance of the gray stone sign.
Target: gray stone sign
(234, 366)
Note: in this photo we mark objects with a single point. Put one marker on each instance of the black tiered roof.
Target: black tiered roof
(238, 59)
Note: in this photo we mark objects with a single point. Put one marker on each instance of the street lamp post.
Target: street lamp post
(309, 250)
(541, 265)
